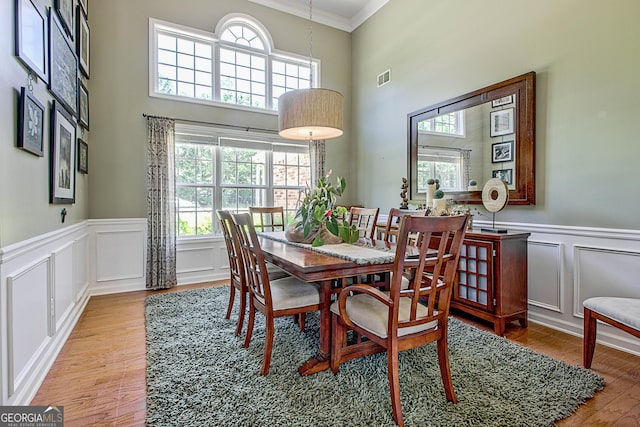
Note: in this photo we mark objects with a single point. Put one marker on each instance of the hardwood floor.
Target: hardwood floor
(99, 376)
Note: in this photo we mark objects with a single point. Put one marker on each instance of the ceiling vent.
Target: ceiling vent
(384, 78)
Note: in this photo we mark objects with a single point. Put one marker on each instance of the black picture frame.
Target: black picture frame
(84, 7)
(83, 156)
(82, 42)
(64, 9)
(62, 154)
(501, 122)
(31, 37)
(505, 100)
(83, 105)
(30, 123)
(502, 152)
(63, 67)
(504, 174)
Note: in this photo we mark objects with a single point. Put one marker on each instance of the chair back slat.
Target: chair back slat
(236, 265)
(433, 269)
(267, 218)
(365, 220)
(392, 228)
(255, 267)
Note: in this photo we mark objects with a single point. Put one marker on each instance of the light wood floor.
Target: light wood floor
(99, 376)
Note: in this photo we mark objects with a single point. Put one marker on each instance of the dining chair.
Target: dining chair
(404, 318)
(393, 221)
(277, 298)
(622, 313)
(236, 267)
(268, 218)
(365, 220)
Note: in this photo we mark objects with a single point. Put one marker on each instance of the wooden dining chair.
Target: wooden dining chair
(268, 218)
(392, 227)
(277, 298)
(404, 318)
(236, 267)
(621, 313)
(365, 220)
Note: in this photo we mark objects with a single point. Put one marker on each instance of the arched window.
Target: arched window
(239, 68)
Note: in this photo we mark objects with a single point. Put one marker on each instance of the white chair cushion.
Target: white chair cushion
(372, 315)
(292, 292)
(275, 272)
(623, 310)
(405, 281)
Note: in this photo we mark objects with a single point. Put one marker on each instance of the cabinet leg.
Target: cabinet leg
(524, 321)
(499, 327)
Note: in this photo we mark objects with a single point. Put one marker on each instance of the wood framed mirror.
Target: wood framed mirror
(471, 138)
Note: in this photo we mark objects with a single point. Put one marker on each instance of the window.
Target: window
(239, 69)
(219, 170)
(451, 124)
(444, 164)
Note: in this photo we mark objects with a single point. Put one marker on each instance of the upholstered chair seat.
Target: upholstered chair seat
(291, 292)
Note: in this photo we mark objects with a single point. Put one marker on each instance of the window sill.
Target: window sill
(212, 103)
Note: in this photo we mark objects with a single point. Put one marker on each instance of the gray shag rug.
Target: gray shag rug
(198, 374)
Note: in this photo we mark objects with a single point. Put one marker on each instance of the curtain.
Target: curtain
(316, 156)
(161, 221)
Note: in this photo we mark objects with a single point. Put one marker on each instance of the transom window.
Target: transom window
(216, 170)
(239, 69)
(451, 124)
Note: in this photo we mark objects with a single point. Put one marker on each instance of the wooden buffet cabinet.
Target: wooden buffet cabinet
(491, 283)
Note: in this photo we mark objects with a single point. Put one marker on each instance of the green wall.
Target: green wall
(587, 58)
(24, 178)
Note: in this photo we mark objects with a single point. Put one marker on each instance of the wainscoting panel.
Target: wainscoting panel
(43, 291)
(201, 260)
(119, 254)
(545, 275)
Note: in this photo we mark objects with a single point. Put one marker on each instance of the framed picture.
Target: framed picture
(31, 31)
(504, 174)
(502, 152)
(505, 100)
(62, 173)
(30, 123)
(84, 7)
(63, 66)
(501, 122)
(83, 105)
(82, 42)
(64, 8)
(83, 156)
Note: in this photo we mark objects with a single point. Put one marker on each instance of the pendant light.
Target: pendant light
(310, 114)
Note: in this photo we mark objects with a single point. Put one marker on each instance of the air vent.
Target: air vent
(384, 78)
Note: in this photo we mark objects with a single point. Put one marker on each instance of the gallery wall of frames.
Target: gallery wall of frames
(52, 43)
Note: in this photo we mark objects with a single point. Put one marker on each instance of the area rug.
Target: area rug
(198, 374)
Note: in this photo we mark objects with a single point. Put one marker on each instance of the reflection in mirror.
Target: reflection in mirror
(465, 141)
(457, 148)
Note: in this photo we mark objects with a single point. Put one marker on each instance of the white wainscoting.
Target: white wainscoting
(44, 288)
(46, 281)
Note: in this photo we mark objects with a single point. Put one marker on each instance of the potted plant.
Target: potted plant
(318, 220)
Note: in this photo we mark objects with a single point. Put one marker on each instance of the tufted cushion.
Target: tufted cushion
(292, 292)
(623, 310)
(372, 315)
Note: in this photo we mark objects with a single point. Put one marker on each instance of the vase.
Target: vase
(296, 235)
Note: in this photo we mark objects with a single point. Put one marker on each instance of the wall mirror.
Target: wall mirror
(467, 140)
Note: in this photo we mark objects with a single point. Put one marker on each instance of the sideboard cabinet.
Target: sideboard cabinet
(491, 283)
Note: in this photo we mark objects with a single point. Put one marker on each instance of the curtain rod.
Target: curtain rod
(245, 128)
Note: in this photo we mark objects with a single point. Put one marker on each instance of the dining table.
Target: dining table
(327, 266)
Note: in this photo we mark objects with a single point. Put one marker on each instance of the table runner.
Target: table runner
(357, 253)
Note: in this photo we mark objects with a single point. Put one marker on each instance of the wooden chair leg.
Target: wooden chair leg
(337, 339)
(252, 315)
(268, 346)
(302, 319)
(232, 294)
(394, 384)
(243, 308)
(589, 341)
(445, 371)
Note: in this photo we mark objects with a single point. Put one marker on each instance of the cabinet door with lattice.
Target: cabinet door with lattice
(474, 285)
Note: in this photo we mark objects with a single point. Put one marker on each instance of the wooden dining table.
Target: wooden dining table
(324, 269)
